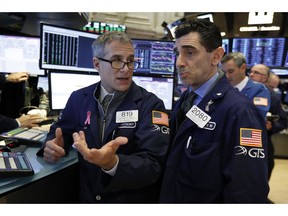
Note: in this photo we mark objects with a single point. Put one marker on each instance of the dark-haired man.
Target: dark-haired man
(218, 151)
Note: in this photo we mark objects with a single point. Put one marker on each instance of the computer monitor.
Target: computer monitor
(62, 84)
(281, 72)
(20, 53)
(43, 83)
(286, 60)
(162, 87)
(267, 51)
(226, 45)
(156, 57)
(66, 49)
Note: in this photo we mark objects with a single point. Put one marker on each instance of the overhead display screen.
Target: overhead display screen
(268, 51)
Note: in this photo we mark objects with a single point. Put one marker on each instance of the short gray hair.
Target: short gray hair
(99, 44)
(237, 57)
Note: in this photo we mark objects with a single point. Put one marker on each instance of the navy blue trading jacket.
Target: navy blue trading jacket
(209, 165)
(6, 123)
(254, 90)
(141, 160)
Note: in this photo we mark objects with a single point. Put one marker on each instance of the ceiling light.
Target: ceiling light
(206, 16)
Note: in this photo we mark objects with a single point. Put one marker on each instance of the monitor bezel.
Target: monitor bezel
(137, 73)
(162, 77)
(63, 67)
(50, 93)
(252, 38)
(43, 72)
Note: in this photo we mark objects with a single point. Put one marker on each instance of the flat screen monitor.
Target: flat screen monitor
(20, 53)
(162, 87)
(280, 71)
(286, 60)
(155, 56)
(43, 83)
(225, 45)
(267, 51)
(66, 49)
(62, 84)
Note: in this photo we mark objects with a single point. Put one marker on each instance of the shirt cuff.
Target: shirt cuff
(113, 170)
(19, 124)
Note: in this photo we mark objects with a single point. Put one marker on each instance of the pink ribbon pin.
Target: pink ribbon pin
(88, 118)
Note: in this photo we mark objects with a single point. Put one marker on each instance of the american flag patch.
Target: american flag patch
(250, 137)
(260, 101)
(160, 118)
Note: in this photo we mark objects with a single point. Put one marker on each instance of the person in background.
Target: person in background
(7, 123)
(273, 83)
(122, 148)
(13, 78)
(221, 142)
(261, 73)
(234, 66)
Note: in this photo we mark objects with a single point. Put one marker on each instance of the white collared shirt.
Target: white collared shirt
(240, 86)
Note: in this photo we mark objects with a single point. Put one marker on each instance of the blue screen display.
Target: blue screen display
(268, 51)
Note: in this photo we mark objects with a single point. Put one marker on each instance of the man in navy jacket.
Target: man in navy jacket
(121, 150)
(261, 73)
(218, 152)
(234, 66)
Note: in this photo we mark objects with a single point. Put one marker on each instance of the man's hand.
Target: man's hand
(105, 157)
(29, 120)
(268, 125)
(17, 77)
(54, 148)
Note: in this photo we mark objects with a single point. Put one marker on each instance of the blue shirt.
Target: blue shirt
(204, 88)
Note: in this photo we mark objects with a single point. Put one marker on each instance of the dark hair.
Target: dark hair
(210, 36)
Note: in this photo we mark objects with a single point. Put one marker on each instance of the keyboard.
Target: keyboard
(27, 136)
(14, 164)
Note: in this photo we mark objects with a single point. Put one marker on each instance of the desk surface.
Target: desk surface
(41, 169)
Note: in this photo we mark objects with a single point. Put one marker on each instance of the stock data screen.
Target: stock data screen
(267, 51)
(286, 60)
(66, 49)
(155, 57)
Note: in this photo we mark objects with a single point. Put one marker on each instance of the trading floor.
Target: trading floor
(279, 182)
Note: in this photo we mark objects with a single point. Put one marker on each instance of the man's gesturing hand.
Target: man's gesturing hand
(105, 157)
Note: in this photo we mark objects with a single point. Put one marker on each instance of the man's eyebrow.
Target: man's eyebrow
(120, 56)
(184, 47)
(188, 46)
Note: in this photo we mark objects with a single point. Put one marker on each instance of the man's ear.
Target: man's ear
(96, 63)
(243, 67)
(217, 56)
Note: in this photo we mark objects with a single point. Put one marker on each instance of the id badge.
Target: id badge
(127, 116)
(198, 116)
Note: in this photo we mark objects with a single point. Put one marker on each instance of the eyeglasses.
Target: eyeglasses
(257, 73)
(119, 64)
